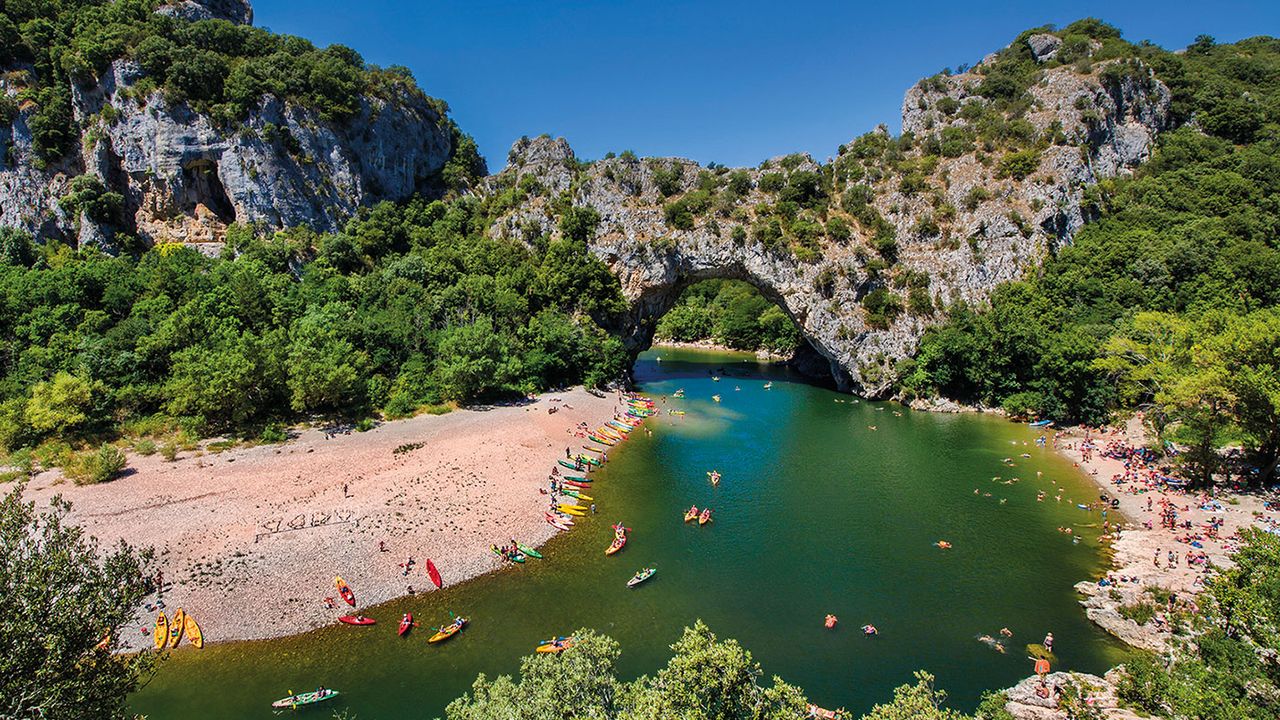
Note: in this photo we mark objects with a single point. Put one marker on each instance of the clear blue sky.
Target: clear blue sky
(734, 81)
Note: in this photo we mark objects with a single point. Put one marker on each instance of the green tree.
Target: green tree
(53, 664)
(707, 678)
(326, 371)
(63, 404)
(915, 702)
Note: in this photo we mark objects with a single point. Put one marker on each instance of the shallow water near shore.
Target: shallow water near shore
(816, 514)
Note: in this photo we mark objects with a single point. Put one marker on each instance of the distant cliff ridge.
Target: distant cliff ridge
(185, 176)
(994, 169)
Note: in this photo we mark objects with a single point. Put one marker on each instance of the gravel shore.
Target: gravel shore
(249, 540)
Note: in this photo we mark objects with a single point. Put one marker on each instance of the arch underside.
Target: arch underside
(654, 300)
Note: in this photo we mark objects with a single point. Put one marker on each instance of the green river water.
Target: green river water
(816, 514)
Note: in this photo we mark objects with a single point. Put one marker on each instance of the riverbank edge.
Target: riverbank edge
(762, 354)
(218, 621)
(1130, 546)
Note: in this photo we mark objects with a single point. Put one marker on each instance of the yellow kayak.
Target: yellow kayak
(571, 510)
(175, 627)
(448, 631)
(162, 631)
(194, 636)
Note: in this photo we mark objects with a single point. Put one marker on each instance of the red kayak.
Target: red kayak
(406, 622)
(575, 483)
(434, 574)
(356, 620)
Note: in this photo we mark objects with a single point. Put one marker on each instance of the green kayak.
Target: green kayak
(310, 698)
(529, 551)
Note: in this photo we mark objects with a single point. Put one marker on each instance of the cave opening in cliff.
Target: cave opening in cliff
(203, 187)
(735, 314)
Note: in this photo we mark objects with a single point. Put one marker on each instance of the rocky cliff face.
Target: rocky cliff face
(185, 177)
(963, 224)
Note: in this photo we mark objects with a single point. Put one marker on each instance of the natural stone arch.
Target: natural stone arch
(659, 285)
(1102, 124)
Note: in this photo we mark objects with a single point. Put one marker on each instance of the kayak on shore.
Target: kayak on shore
(434, 574)
(357, 620)
(176, 626)
(161, 633)
(194, 635)
(301, 699)
(344, 590)
(528, 551)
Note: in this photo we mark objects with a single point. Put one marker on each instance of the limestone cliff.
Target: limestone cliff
(186, 176)
(958, 223)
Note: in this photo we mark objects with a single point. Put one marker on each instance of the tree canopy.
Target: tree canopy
(67, 603)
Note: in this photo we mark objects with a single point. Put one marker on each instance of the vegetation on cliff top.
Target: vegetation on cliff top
(217, 67)
(1168, 301)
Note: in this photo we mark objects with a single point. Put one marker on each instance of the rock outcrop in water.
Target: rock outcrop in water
(963, 222)
(185, 176)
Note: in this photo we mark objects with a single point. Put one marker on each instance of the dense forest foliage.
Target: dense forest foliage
(411, 306)
(730, 313)
(1167, 301)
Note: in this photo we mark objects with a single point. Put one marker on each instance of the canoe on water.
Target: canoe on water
(691, 513)
(557, 645)
(641, 576)
(357, 620)
(448, 631)
(301, 699)
(619, 540)
(406, 622)
(529, 551)
(176, 626)
(344, 590)
(434, 574)
(705, 517)
(194, 635)
(162, 631)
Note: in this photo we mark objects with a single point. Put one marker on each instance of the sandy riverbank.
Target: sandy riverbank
(1142, 549)
(274, 524)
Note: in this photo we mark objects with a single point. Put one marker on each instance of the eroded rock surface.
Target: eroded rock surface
(967, 225)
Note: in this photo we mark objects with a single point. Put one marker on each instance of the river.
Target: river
(817, 513)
